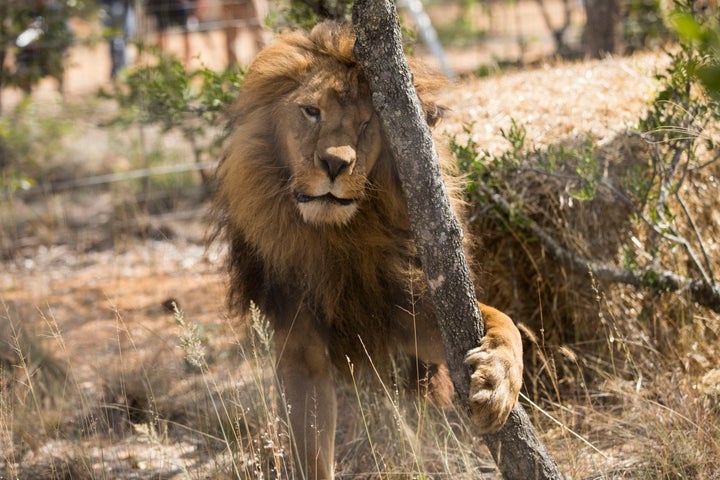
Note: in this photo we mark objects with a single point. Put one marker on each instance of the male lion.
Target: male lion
(310, 203)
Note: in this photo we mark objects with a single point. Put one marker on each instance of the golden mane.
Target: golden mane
(350, 275)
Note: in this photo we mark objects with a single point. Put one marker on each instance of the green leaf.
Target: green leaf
(710, 77)
(687, 27)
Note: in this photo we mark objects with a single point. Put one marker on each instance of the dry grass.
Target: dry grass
(101, 380)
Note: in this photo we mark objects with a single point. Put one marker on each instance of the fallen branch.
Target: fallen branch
(516, 448)
(701, 292)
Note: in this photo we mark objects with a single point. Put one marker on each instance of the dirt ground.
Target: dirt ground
(102, 313)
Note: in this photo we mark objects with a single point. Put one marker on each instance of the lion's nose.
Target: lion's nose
(336, 160)
(333, 166)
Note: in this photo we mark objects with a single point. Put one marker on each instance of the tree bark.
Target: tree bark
(602, 27)
(516, 448)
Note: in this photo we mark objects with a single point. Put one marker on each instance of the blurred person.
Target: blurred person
(169, 14)
(120, 19)
(242, 14)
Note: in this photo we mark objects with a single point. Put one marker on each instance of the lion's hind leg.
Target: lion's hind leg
(497, 371)
(308, 385)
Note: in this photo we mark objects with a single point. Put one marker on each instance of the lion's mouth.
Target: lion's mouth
(328, 197)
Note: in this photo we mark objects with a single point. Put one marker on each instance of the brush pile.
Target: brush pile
(596, 202)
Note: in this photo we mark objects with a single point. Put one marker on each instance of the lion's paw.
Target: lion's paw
(494, 384)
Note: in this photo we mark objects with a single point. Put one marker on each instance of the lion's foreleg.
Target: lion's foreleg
(497, 362)
(306, 379)
(497, 377)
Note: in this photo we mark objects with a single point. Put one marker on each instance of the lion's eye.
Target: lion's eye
(364, 126)
(313, 113)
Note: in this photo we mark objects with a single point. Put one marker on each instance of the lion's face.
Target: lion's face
(331, 141)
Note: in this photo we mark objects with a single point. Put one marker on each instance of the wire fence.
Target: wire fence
(49, 29)
(105, 211)
(148, 16)
(96, 180)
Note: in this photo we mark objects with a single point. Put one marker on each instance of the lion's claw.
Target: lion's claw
(494, 384)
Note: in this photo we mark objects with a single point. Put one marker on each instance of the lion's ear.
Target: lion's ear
(427, 83)
(433, 113)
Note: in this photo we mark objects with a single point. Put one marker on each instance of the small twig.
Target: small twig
(674, 237)
(709, 276)
(705, 164)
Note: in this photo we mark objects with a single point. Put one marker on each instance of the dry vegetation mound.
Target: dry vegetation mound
(567, 212)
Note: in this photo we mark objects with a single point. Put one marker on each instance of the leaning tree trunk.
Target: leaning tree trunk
(516, 448)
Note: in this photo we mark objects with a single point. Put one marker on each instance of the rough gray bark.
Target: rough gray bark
(516, 448)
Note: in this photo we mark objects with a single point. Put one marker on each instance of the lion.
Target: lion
(309, 201)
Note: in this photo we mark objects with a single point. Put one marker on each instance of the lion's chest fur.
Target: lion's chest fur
(358, 282)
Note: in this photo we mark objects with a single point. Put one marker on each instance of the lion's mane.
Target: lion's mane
(350, 276)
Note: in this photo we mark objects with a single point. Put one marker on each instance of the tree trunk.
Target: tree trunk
(516, 448)
(602, 27)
